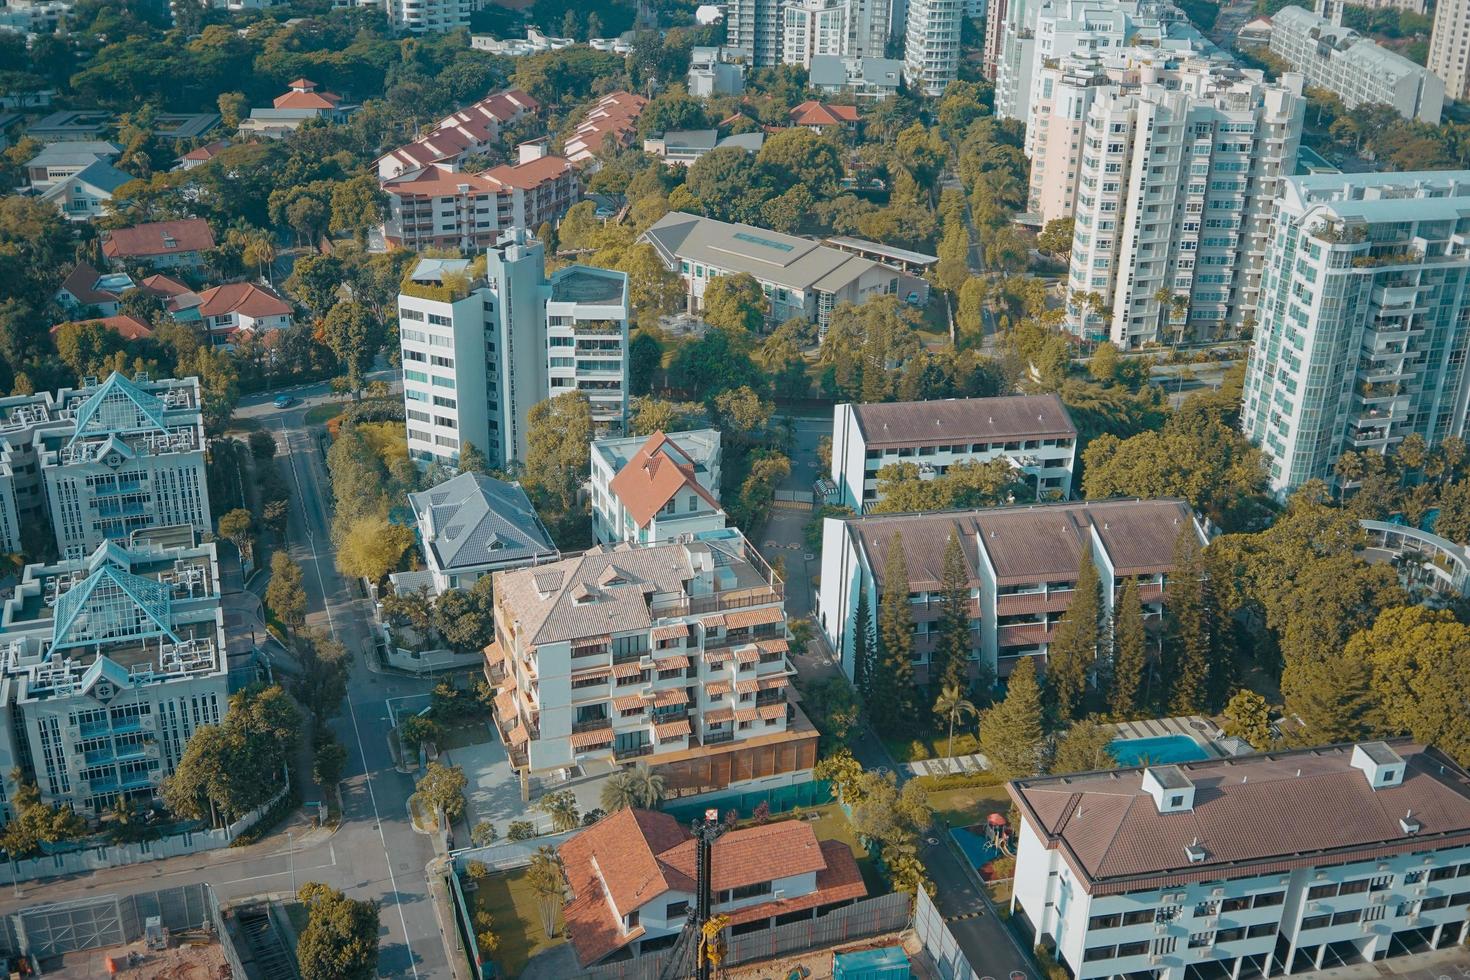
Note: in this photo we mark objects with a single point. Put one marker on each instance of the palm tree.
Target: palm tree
(561, 807)
(545, 878)
(1162, 295)
(647, 787)
(617, 792)
(1180, 312)
(951, 704)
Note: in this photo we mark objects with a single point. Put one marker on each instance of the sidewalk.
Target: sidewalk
(443, 904)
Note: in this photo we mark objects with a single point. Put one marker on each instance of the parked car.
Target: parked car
(284, 401)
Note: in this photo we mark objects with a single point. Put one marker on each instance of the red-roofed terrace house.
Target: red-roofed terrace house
(632, 881)
(655, 488)
(473, 129)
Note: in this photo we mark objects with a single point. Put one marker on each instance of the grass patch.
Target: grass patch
(296, 914)
(931, 746)
(322, 414)
(833, 825)
(516, 911)
(464, 734)
(968, 805)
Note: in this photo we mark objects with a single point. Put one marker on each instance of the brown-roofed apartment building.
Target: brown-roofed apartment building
(437, 206)
(1246, 867)
(648, 490)
(1021, 563)
(674, 655)
(609, 124)
(632, 880)
(473, 129)
(1034, 432)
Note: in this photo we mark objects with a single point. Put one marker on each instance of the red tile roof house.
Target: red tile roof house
(822, 117)
(614, 117)
(201, 155)
(160, 244)
(632, 880)
(84, 286)
(238, 306)
(473, 129)
(124, 325)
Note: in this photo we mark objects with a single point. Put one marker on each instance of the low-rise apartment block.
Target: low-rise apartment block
(865, 79)
(1363, 330)
(484, 344)
(608, 125)
(1353, 68)
(1248, 867)
(440, 207)
(474, 129)
(111, 662)
(58, 161)
(429, 16)
(671, 655)
(1034, 433)
(800, 277)
(656, 489)
(1021, 566)
(717, 71)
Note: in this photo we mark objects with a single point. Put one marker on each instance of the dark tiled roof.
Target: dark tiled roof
(964, 420)
(478, 520)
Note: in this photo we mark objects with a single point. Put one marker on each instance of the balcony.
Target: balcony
(719, 737)
(633, 751)
(591, 725)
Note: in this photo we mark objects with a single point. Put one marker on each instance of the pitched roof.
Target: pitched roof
(1251, 814)
(158, 238)
(434, 181)
(814, 113)
(634, 856)
(472, 520)
(656, 472)
(74, 152)
(965, 420)
(206, 152)
(304, 95)
(99, 175)
(615, 114)
(245, 298)
(165, 286)
(125, 325)
(82, 282)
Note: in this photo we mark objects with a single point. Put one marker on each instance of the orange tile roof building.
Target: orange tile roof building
(674, 655)
(822, 116)
(160, 244)
(1249, 866)
(612, 122)
(654, 489)
(438, 207)
(632, 879)
(473, 129)
(238, 306)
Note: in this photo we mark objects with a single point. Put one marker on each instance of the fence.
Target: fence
(79, 859)
(504, 855)
(46, 931)
(938, 942)
(781, 799)
(869, 917)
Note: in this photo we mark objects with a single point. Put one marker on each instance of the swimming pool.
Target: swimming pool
(1161, 749)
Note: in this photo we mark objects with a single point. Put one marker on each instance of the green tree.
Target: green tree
(1191, 624)
(483, 834)
(357, 206)
(561, 807)
(951, 706)
(235, 526)
(286, 592)
(1085, 747)
(799, 157)
(864, 648)
(949, 665)
(558, 440)
(1248, 717)
(1011, 733)
(33, 823)
(1130, 654)
(1072, 655)
(520, 830)
(340, 939)
(1056, 237)
(1420, 662)
(355, 336)
(415, 730)
(229, 769)
(645, 360)
(893, 698)
(471, 460)
(328, 762)
(1453, 521)
(372, 546)
(442, 790)
(547, 883)
(735, 302)
(1332, 697)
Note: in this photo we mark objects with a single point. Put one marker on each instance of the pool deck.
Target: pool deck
(1195, 727)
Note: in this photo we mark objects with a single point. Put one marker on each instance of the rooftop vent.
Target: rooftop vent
(1194, 851)
(1408, 823)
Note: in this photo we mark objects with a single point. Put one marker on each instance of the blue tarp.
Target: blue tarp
(889, 963)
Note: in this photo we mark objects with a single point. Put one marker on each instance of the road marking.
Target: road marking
(276, 874)
(352, 712)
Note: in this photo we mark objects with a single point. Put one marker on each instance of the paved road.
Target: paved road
(374, 854)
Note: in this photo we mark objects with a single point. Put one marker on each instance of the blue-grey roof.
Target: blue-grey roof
(103, 176)
(473, 520)
(73, 152)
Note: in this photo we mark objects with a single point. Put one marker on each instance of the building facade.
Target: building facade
(428, 16)
(480, 349)
(931, 45)
(1021, 567)
(1034, 433)
(799, 277)
(1355, 69)
(812, 28)
(1365, 320)
(1448, 58)
(656, 489)
(1174, 200)
(755, 26)
(1163, 871)
(669, 655)
(112, 661)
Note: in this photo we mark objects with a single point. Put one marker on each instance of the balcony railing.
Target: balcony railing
(633, 751)
(591, 725)
(716, 737)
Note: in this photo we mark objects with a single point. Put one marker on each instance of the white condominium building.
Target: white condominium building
(111, 662)
(428, 16)
(1353, 68)
(755, 26)
(1249, 867)
(482, 344)
(1039, 33)
(931, 45)
(1174, 203)
(1364, 320)
(655, 489)
(1033, 433)
(1449, 46)
(673, 655)
(811, 28)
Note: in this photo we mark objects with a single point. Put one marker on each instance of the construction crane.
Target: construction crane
(699, 952)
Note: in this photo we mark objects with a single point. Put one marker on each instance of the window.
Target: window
(676, 910)
(1261, 929)
(631, 919)
(1268, 900)
(1099, 953)
(1138, 918)
(1105, 921)
(746, 891)
(1440, 874)
(1357, 887)
(1322, 891)
(1133, 949)
(1316, 921)
(1343, 918)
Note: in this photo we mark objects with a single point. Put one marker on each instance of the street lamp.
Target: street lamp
(291, 857)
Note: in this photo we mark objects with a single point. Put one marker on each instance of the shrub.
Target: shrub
(592, 816)
(487, 942)
(762, 813)
(484, 834)
(959, 780)
(477, 870)
(520, 830)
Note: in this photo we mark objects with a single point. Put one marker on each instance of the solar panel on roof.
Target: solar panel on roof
(746, 236)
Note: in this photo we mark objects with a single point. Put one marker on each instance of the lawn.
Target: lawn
(475, 731)
(833, 825)
(515, 909)
(321, 414)
(931, 746)
(969, 804)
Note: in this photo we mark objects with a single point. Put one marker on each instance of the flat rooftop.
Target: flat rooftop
(964, 420)
(583, 285)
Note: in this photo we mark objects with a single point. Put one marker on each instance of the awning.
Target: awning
(746, 687)
(717, 687)
(663, 699)
(754, 617)
(712, 622)
(587, 740)
(772, 710)
(628, 703)
(671, 632)
(672, 729)
(749, 714)
(717, 656)
(632, 669)
(772, 683)
(505, 704)
(518, 736)
(680, 662)
(774, 646)
(596, 673)
(748, 654)
(719, 716)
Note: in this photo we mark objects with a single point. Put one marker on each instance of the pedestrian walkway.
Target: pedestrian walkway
(966, 764)
(1197, 727)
